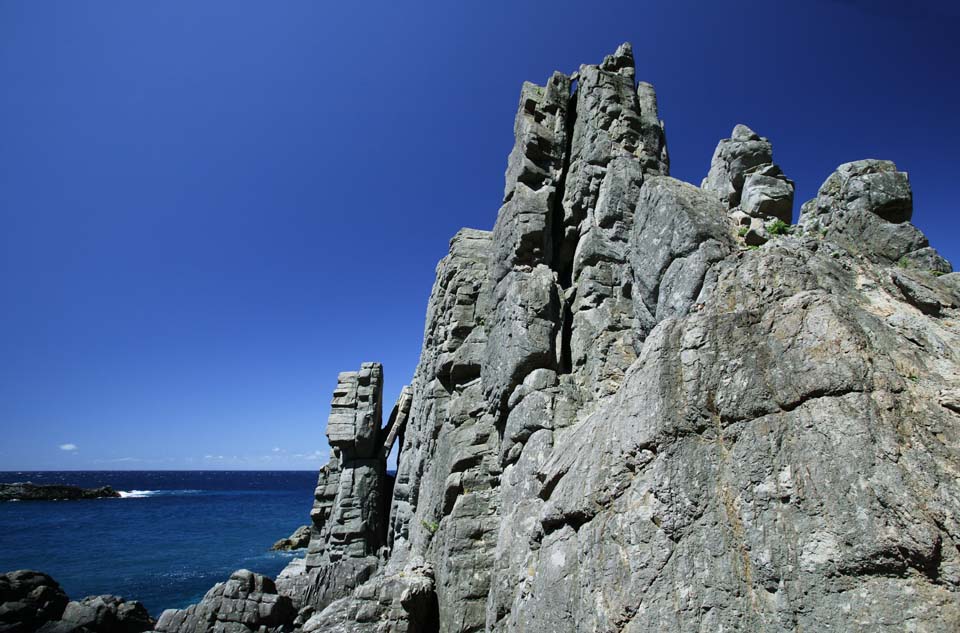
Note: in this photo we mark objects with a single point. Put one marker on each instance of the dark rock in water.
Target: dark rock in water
(247, 602)
(32, 602)
(298, 540)
(34, 492)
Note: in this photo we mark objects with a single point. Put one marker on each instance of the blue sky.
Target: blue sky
(209, 209)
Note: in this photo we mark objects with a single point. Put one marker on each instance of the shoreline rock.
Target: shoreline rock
(33, 602)
(245, 602)
(298, 540)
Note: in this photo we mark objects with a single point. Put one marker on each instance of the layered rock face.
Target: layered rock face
(245, 603)
(643, 405)
(352, 498)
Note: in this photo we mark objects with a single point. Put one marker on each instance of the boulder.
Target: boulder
(865, 207)
(767, 197)
(28, 599)
(246, 602)
(32, 602)
(734, 158)
(107, 614)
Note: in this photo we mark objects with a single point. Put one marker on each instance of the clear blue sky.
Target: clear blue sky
(210, 208)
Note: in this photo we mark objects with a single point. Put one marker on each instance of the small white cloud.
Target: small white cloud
(315, 455)
(276, 449)
(68, 447)
(123, 460)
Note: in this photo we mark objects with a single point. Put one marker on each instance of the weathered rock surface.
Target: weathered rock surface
(28, 599)
(32, 602)
(104, 614)
(28, 491)
(754, 188)
(246, 602)
(624, 419)
(757, 461)
(351, 502)
(865, 207)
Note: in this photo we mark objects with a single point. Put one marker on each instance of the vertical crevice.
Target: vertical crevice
(563, 246)
(424, 614)
(386, 501)
(565, 365)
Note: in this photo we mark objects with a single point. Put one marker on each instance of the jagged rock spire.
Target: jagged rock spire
(356, 412)
(353, 495)
(621, 62)
(754, 188)
(736, 158)
(620, 417)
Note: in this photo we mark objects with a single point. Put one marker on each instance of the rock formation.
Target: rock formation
(643, 405)
(32, 602)
(351, 501)
(865, 207)
(102, 614)
(750, 184)
(29, 599)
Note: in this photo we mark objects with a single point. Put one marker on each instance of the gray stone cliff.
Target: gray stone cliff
(643, 405)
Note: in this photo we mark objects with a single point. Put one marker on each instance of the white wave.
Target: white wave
(140, 494)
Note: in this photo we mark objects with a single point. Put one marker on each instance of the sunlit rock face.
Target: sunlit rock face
(643, 405)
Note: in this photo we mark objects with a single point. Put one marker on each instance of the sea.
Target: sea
(169, 538)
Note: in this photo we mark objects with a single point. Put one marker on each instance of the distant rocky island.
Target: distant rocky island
(28, 491)
(643, 405)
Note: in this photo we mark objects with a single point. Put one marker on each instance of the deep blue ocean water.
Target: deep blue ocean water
(173, 536)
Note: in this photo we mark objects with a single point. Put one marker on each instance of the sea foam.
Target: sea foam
(140, 494)
(136, 494)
